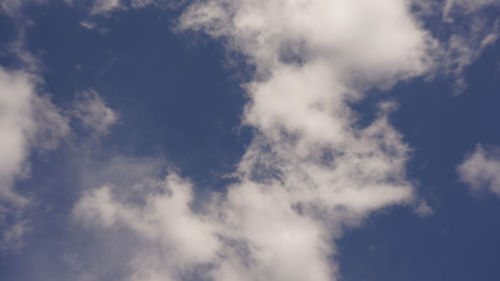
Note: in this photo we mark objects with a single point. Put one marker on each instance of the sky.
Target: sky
(243, 140)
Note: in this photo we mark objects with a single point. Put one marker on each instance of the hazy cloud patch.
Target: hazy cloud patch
(480, 170)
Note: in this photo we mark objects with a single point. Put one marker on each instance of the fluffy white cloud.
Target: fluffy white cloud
(352, 35)
(93, 112)
(106, 6)
(310, 171)
(27, 121)
(481, 169)
(166, 218)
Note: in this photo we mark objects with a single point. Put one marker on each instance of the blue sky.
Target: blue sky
(249, 140)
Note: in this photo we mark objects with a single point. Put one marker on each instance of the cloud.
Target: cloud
(465, 47)
(93, 113)
(472, 28)
(339, 31)
(28, 121)
(468, 6)
(466, 30)
(311, 170)
(88, 24)
(481, 169)
(13, 236)
(106, 6)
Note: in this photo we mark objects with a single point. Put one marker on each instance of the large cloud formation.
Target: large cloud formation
(311, 169)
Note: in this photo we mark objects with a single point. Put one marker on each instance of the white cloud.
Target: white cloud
(242, 22)
(481, 169)
(88, 24)
(310, 171)
(93, 112)
(166, 217)
(106, 6)
(28, 121)
(338, 31)
(423, 209)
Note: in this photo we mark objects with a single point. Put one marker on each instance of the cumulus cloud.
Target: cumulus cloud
(28, 121)
(311, 169)
(338, 31)
(93, 112)
(166, 218)
(105, 6)
(481, 169)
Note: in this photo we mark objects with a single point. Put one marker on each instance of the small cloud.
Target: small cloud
(423, 209)
(93, 112)
(490, 39)
(102, 7)
(481, 169)
(88, 24)
(93, 26)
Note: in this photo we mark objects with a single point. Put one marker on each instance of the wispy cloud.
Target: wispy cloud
(472, 29)
(93, 112)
